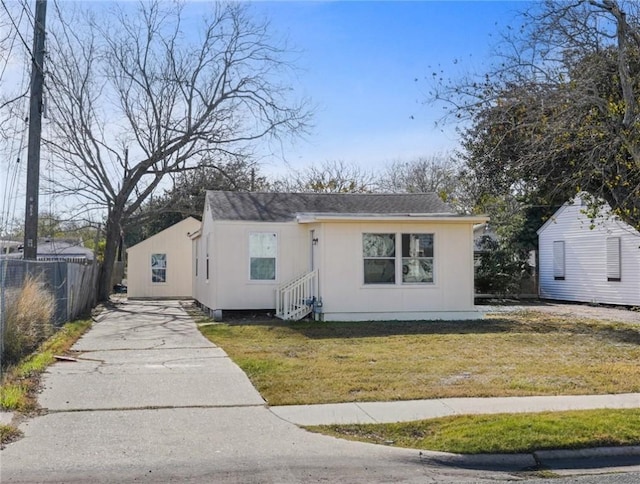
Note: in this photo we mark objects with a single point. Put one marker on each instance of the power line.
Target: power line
(17, 26)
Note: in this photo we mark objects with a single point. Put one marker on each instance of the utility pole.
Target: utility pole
(35, 129)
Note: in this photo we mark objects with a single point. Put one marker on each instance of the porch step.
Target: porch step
(296, 313)
(293, 296)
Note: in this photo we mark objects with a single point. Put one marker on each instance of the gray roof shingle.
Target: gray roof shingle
(283, 207)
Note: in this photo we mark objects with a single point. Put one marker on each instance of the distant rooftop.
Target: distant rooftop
(49, 249)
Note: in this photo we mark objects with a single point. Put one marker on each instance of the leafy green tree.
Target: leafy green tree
(560, 112)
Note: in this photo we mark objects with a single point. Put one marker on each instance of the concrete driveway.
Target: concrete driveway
(151, 400)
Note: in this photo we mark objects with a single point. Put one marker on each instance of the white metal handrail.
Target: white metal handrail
(294, 298)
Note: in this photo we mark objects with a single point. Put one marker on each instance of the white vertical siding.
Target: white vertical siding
(590, 259)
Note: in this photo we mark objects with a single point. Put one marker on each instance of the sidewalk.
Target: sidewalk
(404, 411)
(561, 462)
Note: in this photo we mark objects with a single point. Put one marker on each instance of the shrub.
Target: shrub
(29, 312)
(500, 270)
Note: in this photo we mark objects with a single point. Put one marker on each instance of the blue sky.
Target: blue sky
(359, 63)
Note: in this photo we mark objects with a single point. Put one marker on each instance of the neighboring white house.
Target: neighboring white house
(589, 261)
(343, 256)
(161, 266)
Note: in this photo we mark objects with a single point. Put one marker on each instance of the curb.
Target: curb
(587, 453)
(522, 462)
(479, 461)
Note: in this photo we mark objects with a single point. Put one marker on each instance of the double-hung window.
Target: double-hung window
(158, 268)
(263, 251)
(379, 258)
(417, 258)
(383, 262)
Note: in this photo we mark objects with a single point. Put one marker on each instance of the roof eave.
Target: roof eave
(390, 217)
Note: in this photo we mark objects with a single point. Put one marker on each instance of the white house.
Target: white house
(342, 256)
(161, 266)
(589, 261)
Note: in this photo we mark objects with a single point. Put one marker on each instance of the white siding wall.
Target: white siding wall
(345, 296)
(229, 286)
(586, 259)
(339, 260)
(176, 244)
(205, 287)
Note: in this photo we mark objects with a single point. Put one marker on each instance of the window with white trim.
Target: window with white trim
(558, 260)
(379, 251)
(383, 263)
(613, 259)
(263, 251)
(158, 268)
(417, 258)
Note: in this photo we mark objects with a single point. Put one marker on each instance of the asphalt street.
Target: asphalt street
(151, 400)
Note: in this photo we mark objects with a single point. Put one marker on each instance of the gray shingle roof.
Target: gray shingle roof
(281, 207)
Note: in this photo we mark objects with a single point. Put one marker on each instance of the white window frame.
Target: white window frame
(370, 257)
(417, 258)
(398, 260)
(260, 256)
(160, 267)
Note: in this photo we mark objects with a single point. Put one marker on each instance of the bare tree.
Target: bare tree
(437, 173)
(328, 177)
(137, 94)
(13, 45)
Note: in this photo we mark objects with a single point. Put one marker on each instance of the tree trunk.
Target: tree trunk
(110, 252)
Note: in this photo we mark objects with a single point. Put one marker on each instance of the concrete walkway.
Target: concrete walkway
(405, 411)
(151, 400)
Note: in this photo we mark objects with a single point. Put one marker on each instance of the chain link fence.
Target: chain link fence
(72, 285)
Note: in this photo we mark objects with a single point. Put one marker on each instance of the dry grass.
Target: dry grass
(28, 320)
(511, 355)
(20, 383)
(8, 434)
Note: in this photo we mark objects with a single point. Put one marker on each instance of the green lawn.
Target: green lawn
(508, 355)
(504, 434)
